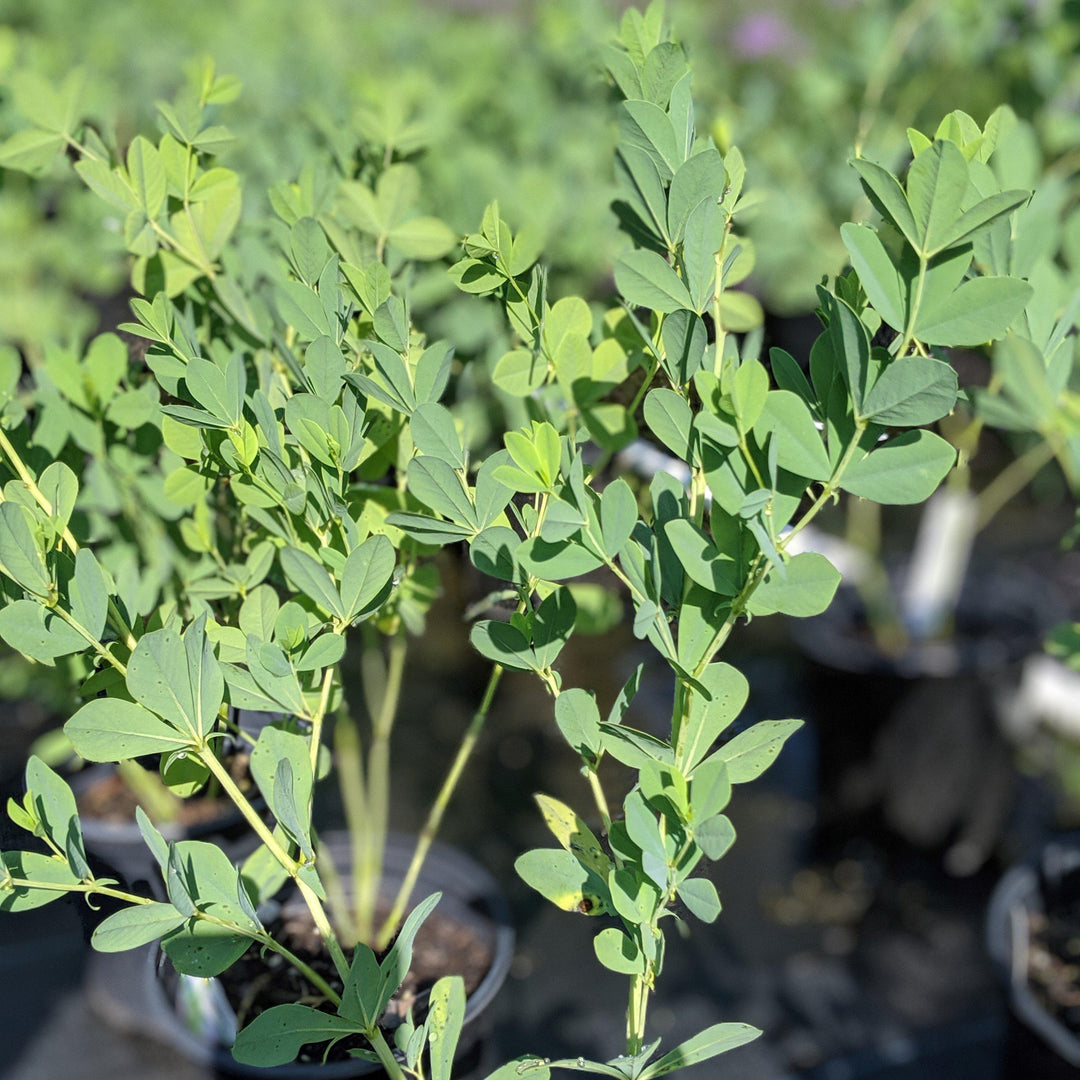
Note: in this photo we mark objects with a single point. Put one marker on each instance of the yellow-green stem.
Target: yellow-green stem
(378, 789)
(1011, 481)
(438, 809)
(386, 1055)
(317, 721)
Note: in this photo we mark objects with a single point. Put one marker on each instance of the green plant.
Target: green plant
(291, 426)
(1024, 268)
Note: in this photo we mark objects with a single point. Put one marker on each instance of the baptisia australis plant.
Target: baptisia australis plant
(293, 420)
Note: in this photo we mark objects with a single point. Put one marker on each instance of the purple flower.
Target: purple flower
(764, 34)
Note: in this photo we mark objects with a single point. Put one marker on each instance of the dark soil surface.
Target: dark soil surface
(443, 946)
(111, 800)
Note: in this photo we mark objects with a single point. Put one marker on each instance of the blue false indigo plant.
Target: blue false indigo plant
(207, 529)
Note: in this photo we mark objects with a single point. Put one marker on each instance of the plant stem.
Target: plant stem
(378, 789)
(322, 924)
(438, 809)
(600, 799)
(91, 640)
(309, 973)
(386, 1055)
(916, 302)
(148, 789)
(39, 497)
(1011, 481)
(350, 771)
(636, 1010)
(317, 723)
(90, 888)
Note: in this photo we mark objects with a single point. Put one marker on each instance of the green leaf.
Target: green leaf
(715, 836)
(573, 834)
(147, 176)
(699, 895)
(367, 576)
(275, 1036)
(134, 926)
(310, 577)
(910, 392)
(556, 561)
(180, 679)
(618, 953)
(885, 287)
(700, 558)
(38, 634)
(851, 343)
(492, 552)
(111, 729)
(20, 557)
(936, 184)
(309, 248)
(618, 516)
(559, 877)
(578, 719)
(717, 1039)
(646, 280)
(804, 587)
(504, 644)
(885, 192)
(698, 179)
(752, 751)
(89, 594)
(32, 866)
(31, 150)
(434, 432)
(210, 387)
(907, 469)
(982, 215)
(980, 310)
(398, 960)
(799, 447)
(446, 1015)
(520, 372)
(440, 488)
(325, 367)
(647, 127)
(423, 238)
(670, 420)
(708, 718)
(54, 803)
(522, 1068)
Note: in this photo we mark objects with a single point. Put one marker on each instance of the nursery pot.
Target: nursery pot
(916, 737)
(120, 846)
(184, 1012)
(1040, 1042)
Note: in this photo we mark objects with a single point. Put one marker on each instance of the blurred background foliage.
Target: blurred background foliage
(491, 98)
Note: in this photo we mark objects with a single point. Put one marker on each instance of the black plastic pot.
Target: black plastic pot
(140, 993)
(119, 846)
(1038, 1044)
(916, 738)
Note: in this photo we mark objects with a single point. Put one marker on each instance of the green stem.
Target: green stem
(600, 799)
(100, 649)
(350, 772)
(309, 973)
(240, 800)
(438, 809)
(72, 544)
(386, 1055)
(322, 924)
(1011, 481)
(317, 722)
(378, 789)
(636, 1009)
(916, 302)
(148, 789)
(90, 888)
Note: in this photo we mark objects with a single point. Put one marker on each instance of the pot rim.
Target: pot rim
(1018, 892)
(481, 893)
